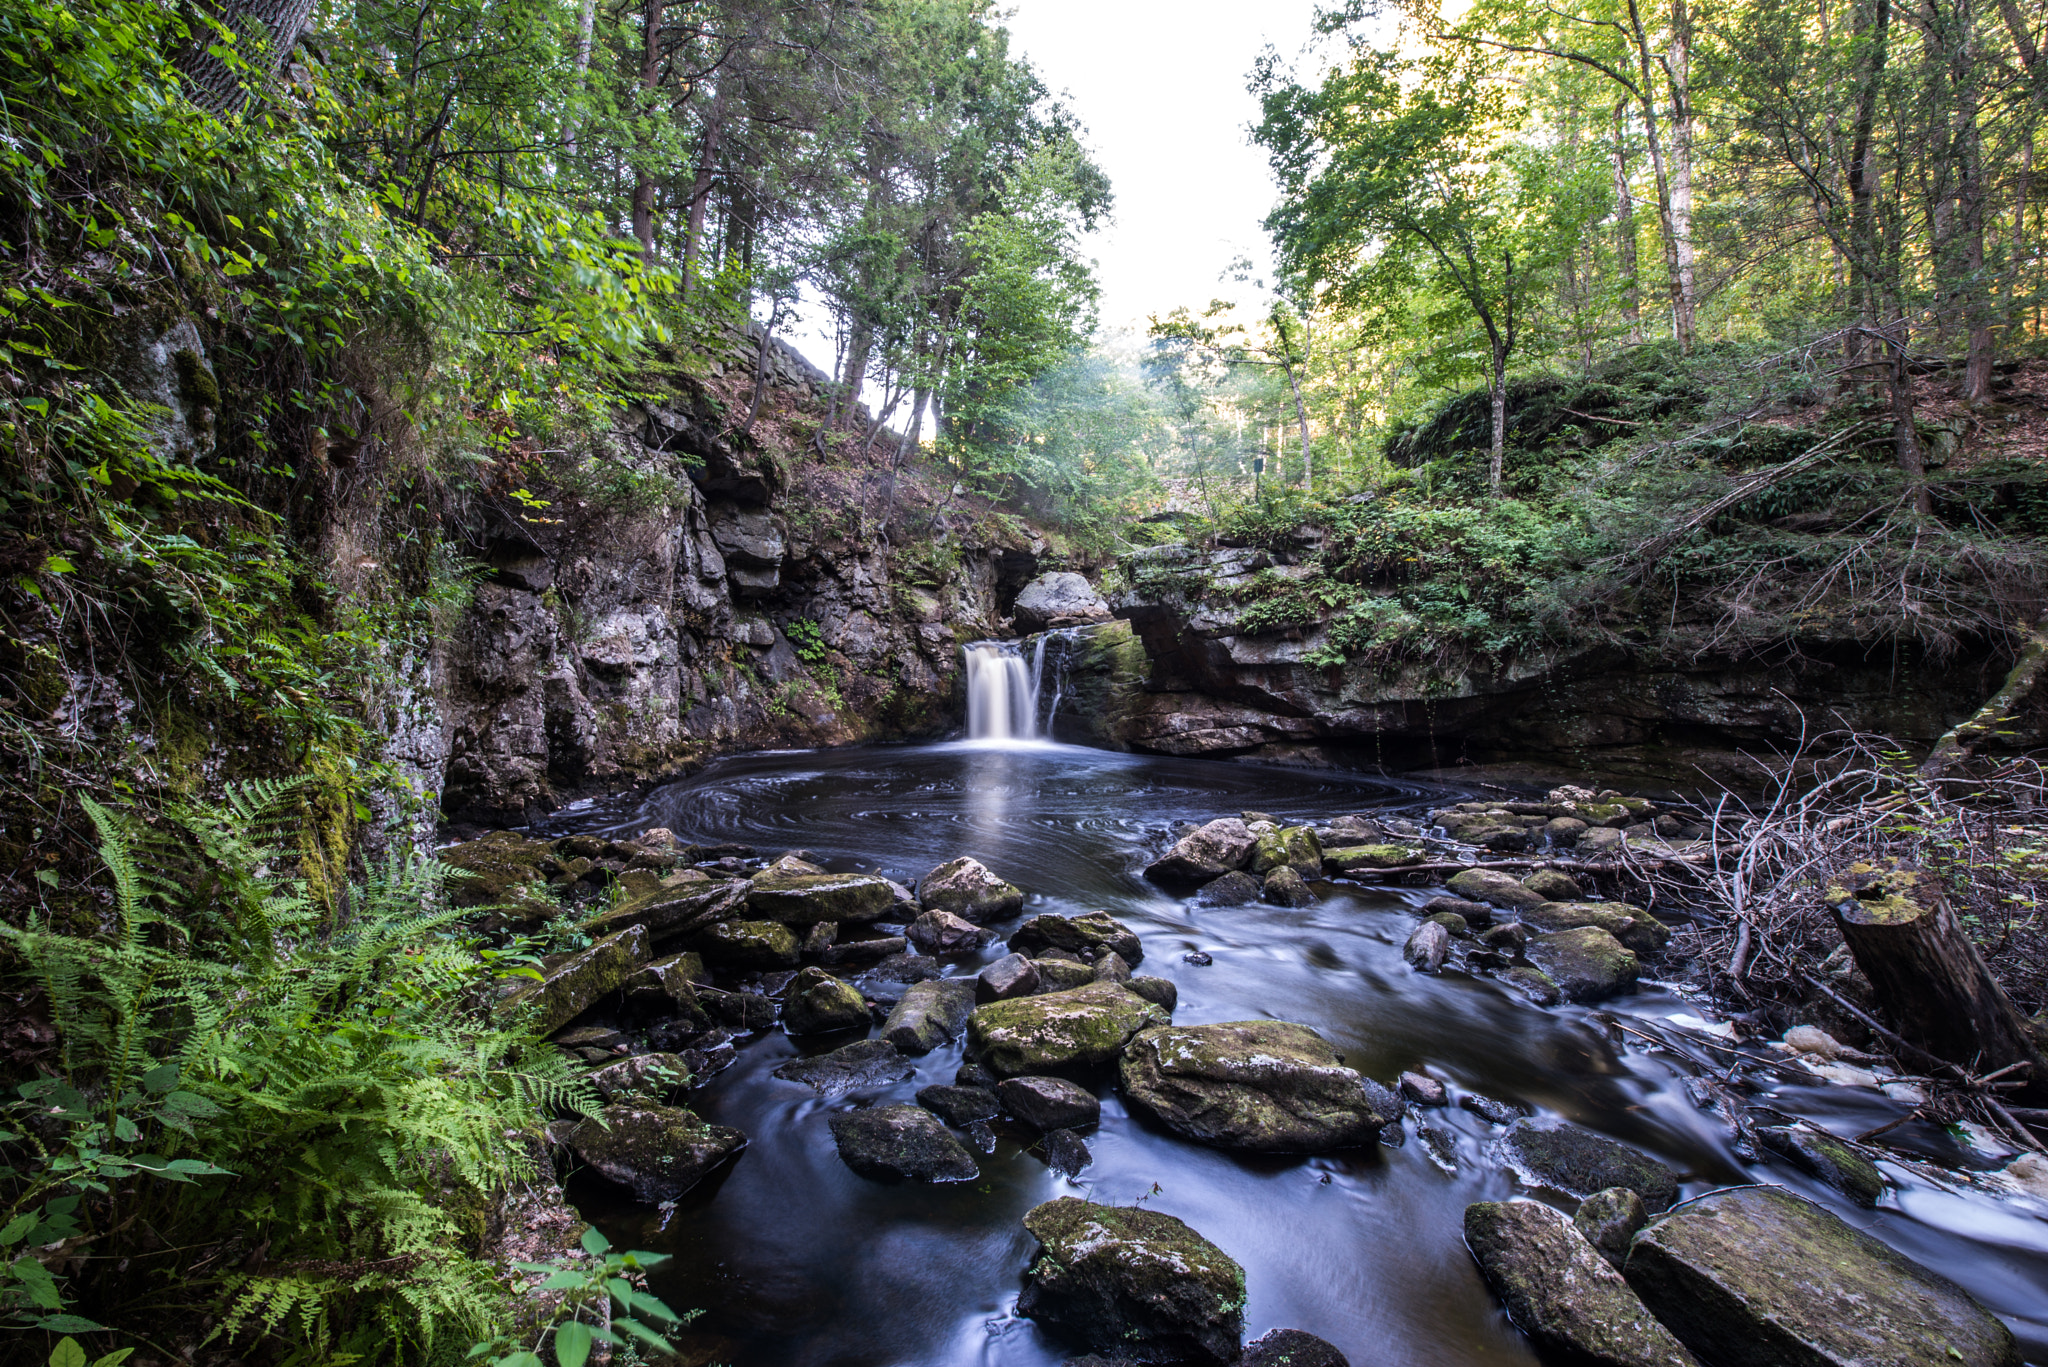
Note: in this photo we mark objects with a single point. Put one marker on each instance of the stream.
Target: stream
(795, 1261)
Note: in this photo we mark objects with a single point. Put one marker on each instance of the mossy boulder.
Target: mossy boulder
(748, 944)
(1587, 964)
(648, 1078)
(1291, 1348)
(1089, 936)
(1284, 887)
(958, 1105)
(572, 987)
(1427, 946)
(1609, 1219)
(1084, 1027)
(941, 932)
(671, 912)
(1827, 1159)
(1289, 847)
(886, 1142)
(966, 888)
(930, 1014)
(1061, 975)
(1131, 1280)
(1555, 884)
(499, 867)
(1351, 858)
(819, 1003)
(1532, 983)
(666, 989)
(1049, 1103)
(800, 899)
(1635, 928)
(1757, 1277)
(1559, 1290)
(1556, 1154)
(1255, 1086)
(1494, 888)
(1208, 852)
(1233, 889)
(659, 1152)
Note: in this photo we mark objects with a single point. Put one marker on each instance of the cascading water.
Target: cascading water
(1002, 693)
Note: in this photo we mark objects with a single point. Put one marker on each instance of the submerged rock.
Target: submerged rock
(1532, 983)
(1262, 1086)
(1049, 1103)
(941, 932)
(1587, 964)
(799, 899)
(1757, 1277)
(1826, 1158)
(1291, 1348)
(1056, 1030)
(930, 1014)
(574, 986)
(659, 1152)
(1561, 1155)
(1208, 852)
(1559, 1291)
(1635, 928)
(819, 1003)
(1233, 889)
(864, 1063)
(1494, 888)
(1125, 1278)
(901, 1141)
(1089, 936)
(965, 888)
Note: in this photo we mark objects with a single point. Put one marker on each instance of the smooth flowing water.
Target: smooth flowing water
(797, 1262)
(1002, 692)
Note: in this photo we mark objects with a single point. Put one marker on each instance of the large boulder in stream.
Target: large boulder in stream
(1352, 858)
(1058, 599)
(864, 1063)
(1757, 1277)
(1089, 936)
(1559, 1290)
(1494, 888)
(801, 899)
(929, 1015)
(1635, 928)
(901, 1141)
(1587, 964)
(1122, 1278)
(966, 888)
(1289, 847)
(671, 912)
(1258, 1086)
(941, 932)
(1291, 1348)
(1555, 1153)
(659, 1152)
(574, 985)
(819, 1003)
(1081, 1028)
(748, 944)
(1208, 852)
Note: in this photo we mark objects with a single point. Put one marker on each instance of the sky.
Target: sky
(1160, 87)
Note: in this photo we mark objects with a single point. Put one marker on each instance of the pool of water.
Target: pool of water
(794, 1261)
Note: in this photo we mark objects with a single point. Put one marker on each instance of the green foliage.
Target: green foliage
(808, 640)
(612, 1276)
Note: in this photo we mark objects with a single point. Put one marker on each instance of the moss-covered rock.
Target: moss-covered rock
(1233, 889)
(1257, 1086)
(659, 1152)
(851, 1067)
(966, 888)
(1289, 847)
(1609, 1219)
(1350, 858)
(1635, 928)
(1061, 975)
(930, 1014)
(1057, 1030)
(1757, 1277)
(671, 912)
(1556, 1154)
(666, 989)
(647, 1078)
(901, 1142)
(1554, 884)
(574, 986)
(1560, 1292)
(497, 868)
(1203, 854)
(958, 1105)
(1132, 1280)
(748, 944)
(1089, 936)
(800, 899)
(1587, 964)
(1826, 1158)
(1284, 888)
(1427, 946)
(1494, 888)
(1532, 983)
(819, 1003)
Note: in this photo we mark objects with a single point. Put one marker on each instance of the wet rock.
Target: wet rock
(1062, 975)
(1608, 1220)
(972, 1074)
(1203, 854)
(1494, 888)
(1200, 958)
(800, 899)
(1588, 964)
(864, 951)
(982, 1135)
(1089, 936)
(1492, 1111)
(1286, 888)
(1260, 1086)
(666, 989)
(1125, 1278)
(1231, 890)
(1352, 858)
(1013, 975)
(1065, 1152)
(1532, 983)
(1563, 831)
(1635, 928)
(1053, 1031)
(1509, 936)
(819, 1003)
(930, 1014)
(819, 938)
(1424, 1090)
(748, 944)
(658, 1152)
(1559, 1291)
(1427, 947)
(575, 985)
(1598, 841)
(1808, 1039)
(669, 913)
(649, 1078)
(1757, 1277)
(741, 1010)
(1454, 925)
(966, 888)
(1291, 1348)
(1561, 1155)
(1289, 847)
(1827, 1159)
(1049, 1103)
(941, 932)
(1058, 599)
(1554, 885)
(901, 1142)
(1111, 968)
(1159, 991)
(864, 1063)
(959, 1106)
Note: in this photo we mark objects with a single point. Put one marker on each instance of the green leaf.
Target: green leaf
(41, 1286)
(595, 1243)
(71, 1324)
(160, 1079)
(16, 1230)
(67, 1353)
(562, 1281)
(113, 1359)
(572, 1344)
(47, 877)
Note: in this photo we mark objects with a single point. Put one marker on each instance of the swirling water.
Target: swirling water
(796, 1262)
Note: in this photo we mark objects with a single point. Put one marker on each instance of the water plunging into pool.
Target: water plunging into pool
(1002, 693)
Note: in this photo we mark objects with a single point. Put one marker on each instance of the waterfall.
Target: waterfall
(1002, 693)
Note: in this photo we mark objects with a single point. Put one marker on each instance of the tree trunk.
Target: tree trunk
(1308, 478)
(1864, 258)
(652, 14)
(1625, 228)
(701, 187)
(1926, 976)
(586, 27)
(265, 31)
(1678, 71)
(1905, 432)
(1958, 745)
(1498, 394)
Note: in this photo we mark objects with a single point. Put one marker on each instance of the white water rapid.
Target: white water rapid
(1002, 693)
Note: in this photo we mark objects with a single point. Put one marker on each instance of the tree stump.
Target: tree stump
(1926, 976)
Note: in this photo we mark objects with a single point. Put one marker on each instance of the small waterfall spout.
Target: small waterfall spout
(1002, 693)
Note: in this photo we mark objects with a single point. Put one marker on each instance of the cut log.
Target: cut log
(1928, 979)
